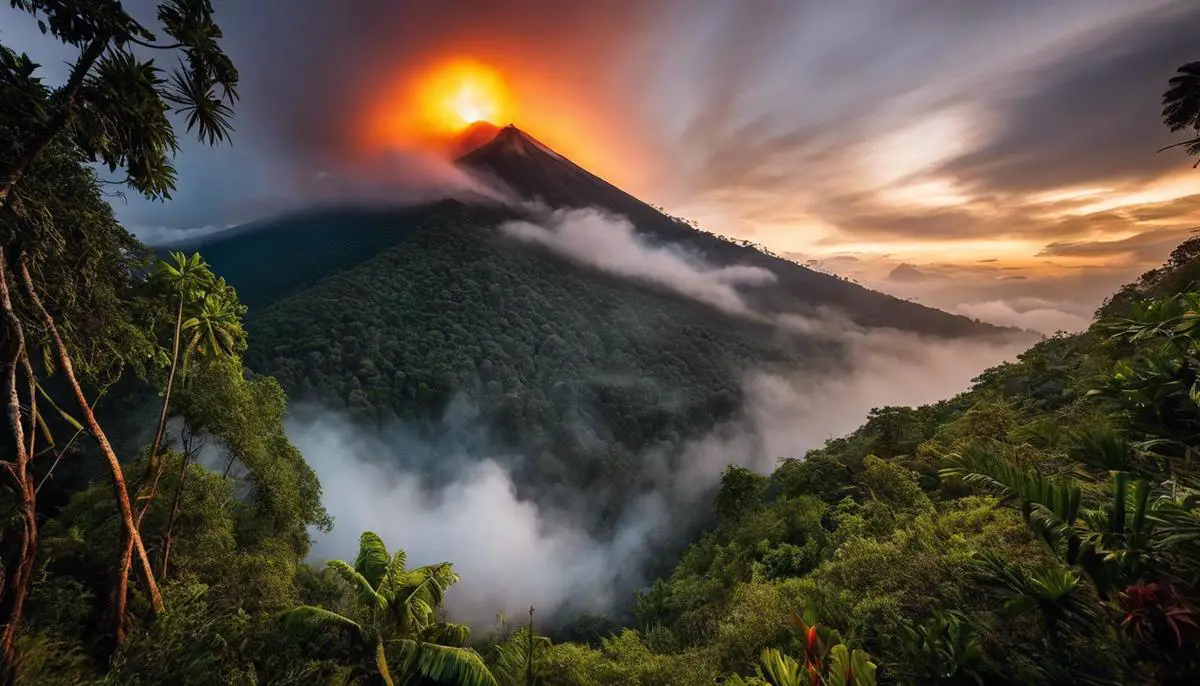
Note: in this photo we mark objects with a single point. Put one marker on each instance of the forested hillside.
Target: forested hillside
(579, 377)
(1042, 527)
(391, 314)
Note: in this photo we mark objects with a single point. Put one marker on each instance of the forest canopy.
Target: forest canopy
(1041, 527)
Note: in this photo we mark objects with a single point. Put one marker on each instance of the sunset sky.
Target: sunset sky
(992, 158)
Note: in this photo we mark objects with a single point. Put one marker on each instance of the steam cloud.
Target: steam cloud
(454, 499)
(1028, 313)
(508, 551)
(609, 243)
(512, 553)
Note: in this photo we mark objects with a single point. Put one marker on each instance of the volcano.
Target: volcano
(533, 171)
(431, 318)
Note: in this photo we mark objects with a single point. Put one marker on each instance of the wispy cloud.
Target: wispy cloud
(610, 243)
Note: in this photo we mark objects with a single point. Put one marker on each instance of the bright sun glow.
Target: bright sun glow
(457, 94)
(436, 104)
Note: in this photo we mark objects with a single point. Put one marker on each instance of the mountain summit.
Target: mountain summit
(533, 170)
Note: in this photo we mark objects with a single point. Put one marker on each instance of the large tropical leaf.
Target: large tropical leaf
(848, 668)
(394, 576)
(372, 561)
(421, 592)
(441, 664)
(307, 618)
(446, 634)
(779, 669)
(1051, 506)
(362, 587)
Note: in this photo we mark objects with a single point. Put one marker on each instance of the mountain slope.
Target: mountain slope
(534, 171)
(587, 382)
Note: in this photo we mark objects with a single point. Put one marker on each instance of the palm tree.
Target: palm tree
(519, 659)
(1056, 595)
(216, 328)
(394, 612)
(216, 331)
(186, 279)
(1181, 106)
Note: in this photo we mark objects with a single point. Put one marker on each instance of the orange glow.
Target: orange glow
(431, 105)
(438, 103)
(458, 94)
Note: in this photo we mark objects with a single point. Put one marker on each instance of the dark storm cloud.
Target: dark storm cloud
(1091, 116)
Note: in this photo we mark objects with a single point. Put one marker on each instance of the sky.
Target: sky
(991, 158)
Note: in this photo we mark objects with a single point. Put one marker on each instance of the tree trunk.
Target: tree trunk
(381, 664)
(18, 471)
(176, 501)
(162, 417)
(131, 537)
(58, 120)
(153, 470)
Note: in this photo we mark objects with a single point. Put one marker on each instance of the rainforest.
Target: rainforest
(507, 424)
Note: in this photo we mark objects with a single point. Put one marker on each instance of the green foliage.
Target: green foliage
(1181, 105)
(191, 644)
(393, 619)
(521, 659)
(1043, 527)
(946, 649)
(114, 106)
(740, 492)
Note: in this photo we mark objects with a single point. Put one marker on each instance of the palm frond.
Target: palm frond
(424, 591)
(1051, 506)
(307, 618)
(1181, 101)
(394, 574)
(372, 561)
(441, 664)
(367, 595)
(447, 634)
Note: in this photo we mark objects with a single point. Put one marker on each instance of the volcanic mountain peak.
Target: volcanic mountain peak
(533, 170)
(509, 139)
(475, 136)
